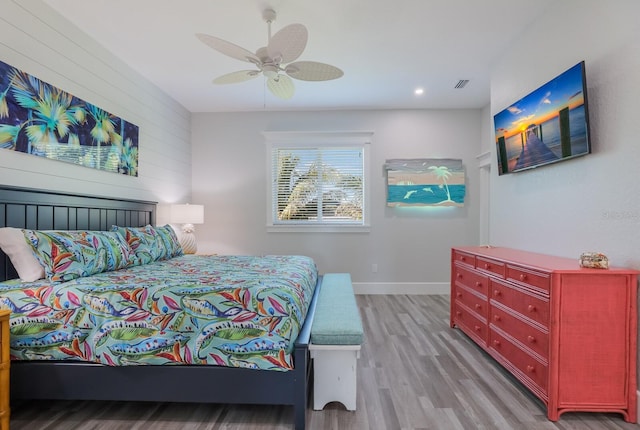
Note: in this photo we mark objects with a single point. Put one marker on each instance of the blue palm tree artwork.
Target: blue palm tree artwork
(40, 119)
(425, 182)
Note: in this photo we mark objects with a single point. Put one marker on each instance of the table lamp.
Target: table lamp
(187, 215)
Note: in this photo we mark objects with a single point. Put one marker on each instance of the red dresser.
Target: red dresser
(567, 333)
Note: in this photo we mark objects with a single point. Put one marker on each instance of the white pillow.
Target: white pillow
(20, 253)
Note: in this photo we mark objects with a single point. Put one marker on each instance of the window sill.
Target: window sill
(318, 229)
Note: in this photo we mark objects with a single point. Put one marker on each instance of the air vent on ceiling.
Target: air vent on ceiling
(462, 83)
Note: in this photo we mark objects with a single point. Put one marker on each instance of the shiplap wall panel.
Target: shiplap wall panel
(35, 39)
(65, 41)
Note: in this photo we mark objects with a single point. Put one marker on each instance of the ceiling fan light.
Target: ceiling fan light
(270, 71)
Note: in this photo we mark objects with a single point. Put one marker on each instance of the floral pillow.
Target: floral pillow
(168, 242)
(142, 241)
(68, 255)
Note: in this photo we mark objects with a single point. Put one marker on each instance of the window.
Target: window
(318, 181)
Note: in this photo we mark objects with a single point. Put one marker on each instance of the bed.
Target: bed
(145, 353)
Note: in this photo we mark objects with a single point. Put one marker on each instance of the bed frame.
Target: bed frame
(38, 209)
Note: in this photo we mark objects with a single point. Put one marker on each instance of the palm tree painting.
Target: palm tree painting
(39, 119)
(425, 182)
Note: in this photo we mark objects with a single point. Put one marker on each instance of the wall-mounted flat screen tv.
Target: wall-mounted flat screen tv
(548, 125)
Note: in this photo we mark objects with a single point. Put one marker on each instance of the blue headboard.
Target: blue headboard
(51, 210)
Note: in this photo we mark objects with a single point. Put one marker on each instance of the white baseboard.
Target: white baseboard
(401, 287)
(638, 404)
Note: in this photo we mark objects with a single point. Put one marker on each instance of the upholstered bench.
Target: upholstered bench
(336, 337)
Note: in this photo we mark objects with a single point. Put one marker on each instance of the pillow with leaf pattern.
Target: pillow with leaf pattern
(168, 242)
(142, 241)
(68, 255)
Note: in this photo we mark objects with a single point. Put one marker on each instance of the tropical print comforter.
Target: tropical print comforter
(238, 311)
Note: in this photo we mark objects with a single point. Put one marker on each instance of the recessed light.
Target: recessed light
(419, 91)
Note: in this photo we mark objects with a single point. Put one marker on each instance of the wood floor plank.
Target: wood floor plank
(414, 373)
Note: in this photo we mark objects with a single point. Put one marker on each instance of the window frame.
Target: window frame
(319, 139)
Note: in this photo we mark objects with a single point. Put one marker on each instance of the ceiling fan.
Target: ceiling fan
(276, 61)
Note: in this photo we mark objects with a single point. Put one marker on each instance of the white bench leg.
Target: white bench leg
(334, 375)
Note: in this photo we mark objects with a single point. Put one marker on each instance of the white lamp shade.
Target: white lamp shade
(187, 214)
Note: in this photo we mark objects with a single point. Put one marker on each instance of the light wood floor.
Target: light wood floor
(414, 373)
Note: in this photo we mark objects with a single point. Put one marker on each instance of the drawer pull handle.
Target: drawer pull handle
(463, 258)
(531, 339)
(478, 306)
(478, 328)
(458, 294)
(496, 293)
(458, 313)
(531, 308)
(496, 342)
(523, 276)
(496, 318)
(458, 275)
(478, 284)
(531, 369)
(486, 266)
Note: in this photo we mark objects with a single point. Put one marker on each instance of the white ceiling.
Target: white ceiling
(386, 48)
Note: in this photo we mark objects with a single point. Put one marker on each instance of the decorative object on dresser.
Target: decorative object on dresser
(5, 362)
(187, 215)
(594, 260)
(567, 333)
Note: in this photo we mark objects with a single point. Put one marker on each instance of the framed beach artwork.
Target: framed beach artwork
(39, 119)
(425, 182)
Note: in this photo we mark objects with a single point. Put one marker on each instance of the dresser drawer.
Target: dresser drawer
(472, 301)
(464, 258)
(531, 336)
(531, 368)
(523, 302)
(471, 279)
(529, 278)
(470, 324)
(492, 266)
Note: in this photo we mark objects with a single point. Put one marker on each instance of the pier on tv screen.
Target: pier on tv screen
(548, 125)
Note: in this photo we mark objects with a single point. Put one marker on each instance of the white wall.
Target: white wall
(36, 40)
(411, 248)
(589, 203)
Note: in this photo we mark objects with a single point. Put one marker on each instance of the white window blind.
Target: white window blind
(318, 180)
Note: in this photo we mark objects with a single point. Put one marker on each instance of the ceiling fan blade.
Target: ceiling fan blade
(228, 48)
(288, 43)
(313, 71)
(281, 86)
(235, 77)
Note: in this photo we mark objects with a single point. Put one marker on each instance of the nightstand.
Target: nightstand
(5, 361)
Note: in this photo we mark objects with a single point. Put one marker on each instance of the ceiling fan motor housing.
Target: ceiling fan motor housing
(269, 15)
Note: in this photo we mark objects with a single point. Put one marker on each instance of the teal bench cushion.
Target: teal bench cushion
(337, 319)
